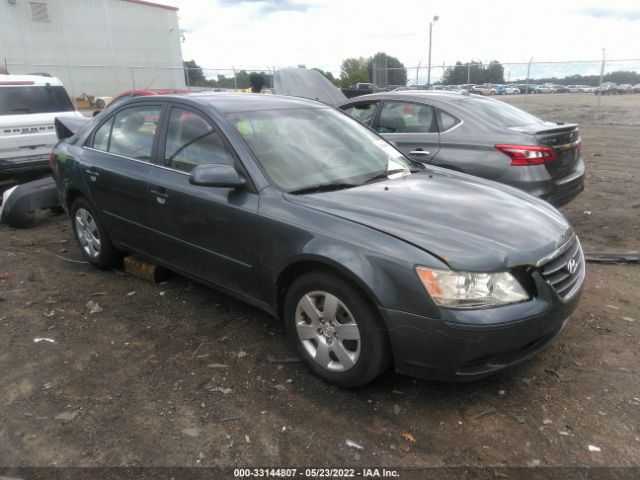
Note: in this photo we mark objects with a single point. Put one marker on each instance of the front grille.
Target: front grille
(564, 270)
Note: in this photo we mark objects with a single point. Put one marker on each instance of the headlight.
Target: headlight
(471, 290)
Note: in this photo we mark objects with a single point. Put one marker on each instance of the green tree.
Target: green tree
(388, 70)
(354, 70)
(193, 73)
(494, 73)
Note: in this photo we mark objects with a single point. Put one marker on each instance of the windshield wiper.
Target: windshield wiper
(385, 174)
(325, 187)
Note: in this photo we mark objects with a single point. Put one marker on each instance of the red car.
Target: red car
(139, 93)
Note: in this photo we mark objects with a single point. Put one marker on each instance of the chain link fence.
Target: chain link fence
(97, 83)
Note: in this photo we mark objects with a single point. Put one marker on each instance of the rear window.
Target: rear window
(499, 113)
(34, 99)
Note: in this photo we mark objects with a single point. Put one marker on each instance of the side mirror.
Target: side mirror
(216, 175)
(97, 112)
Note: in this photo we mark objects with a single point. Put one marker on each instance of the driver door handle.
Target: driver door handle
(161, 195)
(419, 151)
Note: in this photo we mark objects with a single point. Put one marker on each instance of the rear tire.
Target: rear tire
(92, 237)
(336, 329)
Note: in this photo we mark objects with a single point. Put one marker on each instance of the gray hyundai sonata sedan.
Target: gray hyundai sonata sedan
(370, 258)
(479, 136)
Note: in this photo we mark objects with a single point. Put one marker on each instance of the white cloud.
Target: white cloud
(321, 33)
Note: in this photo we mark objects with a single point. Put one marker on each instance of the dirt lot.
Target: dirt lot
(139, 383)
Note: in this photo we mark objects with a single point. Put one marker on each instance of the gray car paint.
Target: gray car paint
(373, 235)
(469, 147)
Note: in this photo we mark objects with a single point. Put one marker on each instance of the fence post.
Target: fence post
(469, 73)
(600, 92)
(526, 87)
(133, 78)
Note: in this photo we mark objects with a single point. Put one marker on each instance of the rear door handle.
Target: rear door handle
(419, 151)
(93, 174)
(161, 195)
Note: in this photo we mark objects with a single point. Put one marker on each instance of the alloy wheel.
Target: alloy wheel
(328, 331)
(87, 232)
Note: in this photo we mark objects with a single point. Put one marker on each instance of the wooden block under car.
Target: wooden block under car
(145, 269)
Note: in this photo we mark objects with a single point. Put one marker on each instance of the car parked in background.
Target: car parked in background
(636, 88)
(546, 88)
(560, 88)
(479, 136)
(369, 258)
(624, 88)
(139, 93)
(485, 90)
(607, 88)
(512, 90)
(586, 89)
(573, 88)
(29, 105)
(526, 88)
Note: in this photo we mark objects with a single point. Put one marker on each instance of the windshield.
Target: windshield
(304, 149)
(499, 113)
(36, 99)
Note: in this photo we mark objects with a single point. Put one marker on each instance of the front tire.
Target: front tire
(92, 237)
(336, 330)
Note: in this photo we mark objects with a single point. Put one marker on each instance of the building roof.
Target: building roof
(152, 4)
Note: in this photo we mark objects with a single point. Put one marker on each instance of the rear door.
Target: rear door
(413, 127)
(117, 162)
(208, 232)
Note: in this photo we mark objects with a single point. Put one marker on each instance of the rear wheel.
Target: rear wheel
(336, 330)
(92, 236)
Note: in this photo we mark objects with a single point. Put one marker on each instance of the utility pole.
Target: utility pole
(469, 73)
(435, 19)
(600, 91)
(418, 72)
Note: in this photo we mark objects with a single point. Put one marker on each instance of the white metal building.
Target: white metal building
(97, 47)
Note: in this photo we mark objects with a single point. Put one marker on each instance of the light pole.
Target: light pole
(435, 19)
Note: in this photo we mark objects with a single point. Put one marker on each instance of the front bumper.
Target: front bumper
(470, 344)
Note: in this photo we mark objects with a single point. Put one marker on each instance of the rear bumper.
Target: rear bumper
(492, 340)
(537, 181)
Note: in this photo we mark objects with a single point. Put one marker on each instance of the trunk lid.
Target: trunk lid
(565, 141)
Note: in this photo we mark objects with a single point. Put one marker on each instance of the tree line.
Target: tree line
(384, 69)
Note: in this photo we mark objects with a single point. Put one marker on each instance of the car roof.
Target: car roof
(227, 102)
(153, 91)
(409, 95)
(8, 80)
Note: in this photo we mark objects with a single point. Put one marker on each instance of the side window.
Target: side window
(362, 111)
(192, 141)
(404, 117)
(133, 132)
(447, 121)
(102, 135)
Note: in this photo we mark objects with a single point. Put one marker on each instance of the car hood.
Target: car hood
(306, 83)
(470, 224)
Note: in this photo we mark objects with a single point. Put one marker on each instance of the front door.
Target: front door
(208, 232)
(412, 127)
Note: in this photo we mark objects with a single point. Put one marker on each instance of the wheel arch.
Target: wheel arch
(307, 263)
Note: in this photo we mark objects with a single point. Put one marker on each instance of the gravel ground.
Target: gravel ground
(180, 375)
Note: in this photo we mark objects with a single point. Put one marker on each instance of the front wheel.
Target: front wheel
(336, 330)
(92, 236)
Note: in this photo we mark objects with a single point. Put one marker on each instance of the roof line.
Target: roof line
(152, 4)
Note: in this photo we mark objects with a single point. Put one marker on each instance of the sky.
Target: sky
(256, 34)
